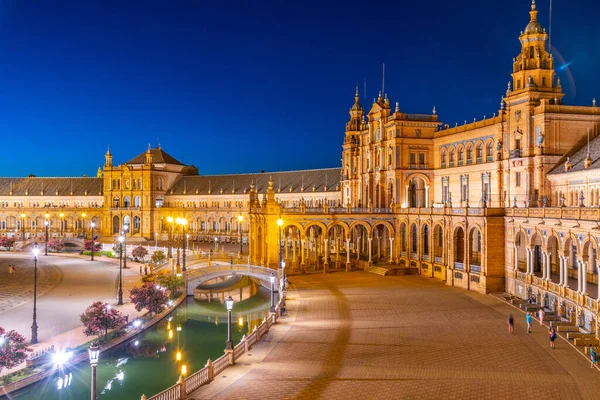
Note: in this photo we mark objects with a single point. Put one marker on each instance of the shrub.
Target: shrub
(139, 252)
(92, 244)
(172, 283)
(56, 245)
(158, 256)
(7, 242)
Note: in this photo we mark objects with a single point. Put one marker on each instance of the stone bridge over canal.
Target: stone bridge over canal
(203, 274)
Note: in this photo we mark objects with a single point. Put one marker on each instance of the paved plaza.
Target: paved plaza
(67, 284)
(360, 335)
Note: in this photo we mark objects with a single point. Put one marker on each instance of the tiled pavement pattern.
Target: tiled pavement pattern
(363, 336)
(17, 288)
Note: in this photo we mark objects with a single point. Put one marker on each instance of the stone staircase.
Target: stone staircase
(377, 270)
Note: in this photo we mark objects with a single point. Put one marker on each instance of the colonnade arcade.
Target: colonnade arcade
(320, 244)
(566, 259)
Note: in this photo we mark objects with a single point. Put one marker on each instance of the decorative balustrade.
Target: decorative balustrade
(576, 213)
(197, 379)
(220, 364)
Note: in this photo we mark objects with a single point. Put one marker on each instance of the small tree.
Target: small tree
(172, 283)
(13, 349)
(7, 242)
(90, 245)
(149, 297)
(56, 245)
(98, 319)
(158, 256)
(139, 252)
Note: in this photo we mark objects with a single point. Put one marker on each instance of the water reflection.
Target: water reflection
(153, 360)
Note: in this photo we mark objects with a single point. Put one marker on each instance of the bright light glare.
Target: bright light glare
(137, 323)
(136, 343)
(61, 358)
(120, 375)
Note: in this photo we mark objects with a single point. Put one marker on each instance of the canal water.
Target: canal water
(148, 363)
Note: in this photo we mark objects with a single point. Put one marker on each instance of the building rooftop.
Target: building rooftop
(50, 186)
(284, 182)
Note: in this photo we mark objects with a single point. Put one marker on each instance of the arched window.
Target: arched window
(461, 155)
(116, 202)
(126, 202)
(136, 201)
(377, 134)
(489, 148)
(451, 156)
(531, 52)
(479, 152)
(443, 156)
(469, 154)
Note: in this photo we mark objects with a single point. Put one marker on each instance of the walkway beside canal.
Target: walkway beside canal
(361, 335)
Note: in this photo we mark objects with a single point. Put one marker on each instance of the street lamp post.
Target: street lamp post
(170, 221)
(240, 219)
(281, 263)
(185, 247)
(121, 239)
(83, 215)
(46, 224)
(229, 305)
(34, 326)
(272, 279)
(125, 230)
(93, 225)
(23, 216)
(94, 353)
(62, 223)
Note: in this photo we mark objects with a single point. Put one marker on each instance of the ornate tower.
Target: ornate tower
(108, 158)
(350, 154)
(526, 147)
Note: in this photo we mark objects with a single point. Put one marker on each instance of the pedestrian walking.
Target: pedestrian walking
(511, 323)
(592, 356)
(529, 320)
(10, 269)
(552, 334)
(541, 316)
(140, 269)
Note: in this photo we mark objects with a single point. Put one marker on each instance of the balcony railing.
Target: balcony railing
(418, 166)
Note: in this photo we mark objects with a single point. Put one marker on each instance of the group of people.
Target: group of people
(552, 335)
(11, 269)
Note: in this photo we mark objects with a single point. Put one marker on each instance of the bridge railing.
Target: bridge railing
(204, 376)
(195, 276)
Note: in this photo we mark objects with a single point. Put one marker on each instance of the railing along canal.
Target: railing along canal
(187, 385)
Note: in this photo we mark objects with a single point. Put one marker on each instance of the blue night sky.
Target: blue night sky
(247, 86)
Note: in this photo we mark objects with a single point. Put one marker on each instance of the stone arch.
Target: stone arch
(126, 201)
(362, 223)
(458, 239)
(443, 156)
(417, 190)
(589, 254)
(342, 224)
(137, 223)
